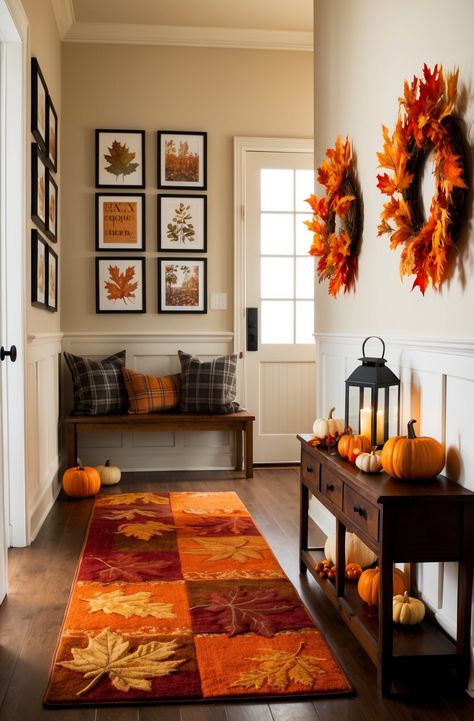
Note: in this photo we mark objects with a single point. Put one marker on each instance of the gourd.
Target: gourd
(355, 550)
(410, 458)
(329, 426)
(349, 441)
(109, 475)
(369, 462)
(81, 481)
(408, 610)
(369, 582)
(353, 571)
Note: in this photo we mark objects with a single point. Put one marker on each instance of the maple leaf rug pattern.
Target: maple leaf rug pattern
(178, 597)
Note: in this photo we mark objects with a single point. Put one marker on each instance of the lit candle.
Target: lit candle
(380, 428)
(365, 423)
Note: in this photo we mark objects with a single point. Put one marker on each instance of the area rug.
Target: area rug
(178, 597)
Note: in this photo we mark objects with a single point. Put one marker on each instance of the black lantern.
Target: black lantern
(373, 399)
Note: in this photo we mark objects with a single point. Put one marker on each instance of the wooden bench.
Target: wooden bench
(241, 423)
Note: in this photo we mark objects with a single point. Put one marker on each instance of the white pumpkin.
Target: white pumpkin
(109, 475)
(329, 426)
(369, 462)
(356, 550)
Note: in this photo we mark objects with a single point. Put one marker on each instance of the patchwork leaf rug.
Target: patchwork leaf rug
(178, 597)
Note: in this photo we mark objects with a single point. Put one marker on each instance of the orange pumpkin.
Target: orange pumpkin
(348, 442)
(81, 481)
(411, 458)
(369, 582)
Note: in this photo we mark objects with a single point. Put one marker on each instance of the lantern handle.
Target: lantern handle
(378, 338)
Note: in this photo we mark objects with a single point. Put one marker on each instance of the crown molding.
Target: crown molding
(246, 38)
(64, 14)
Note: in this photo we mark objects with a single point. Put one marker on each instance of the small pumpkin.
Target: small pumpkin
(369, 462)
(349, 441)
(355, 550)
(411, 458)
(109, 474)
(81, 481)
(369, 582)
(408, 610)
(329, 426)
(353, 571)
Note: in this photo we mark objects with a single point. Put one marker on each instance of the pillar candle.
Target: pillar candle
(365, 423)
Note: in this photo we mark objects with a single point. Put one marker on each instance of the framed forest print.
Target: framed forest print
(120, 285)
(52, 135)
(39, 188)
(38, 270)
(182, 160)
(52, 205)
(120, 221)
(182, 285)
(39, 99)
(52, 280)
(182, 223)
(120, 158)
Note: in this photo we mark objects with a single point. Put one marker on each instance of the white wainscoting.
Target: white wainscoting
(437, 388)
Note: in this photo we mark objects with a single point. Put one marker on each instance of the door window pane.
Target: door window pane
(303, 236)
(304, 182)
(276, 234)
(276, 187)
(277, 277)
(304, 321)
(304, 277)
(277, 321)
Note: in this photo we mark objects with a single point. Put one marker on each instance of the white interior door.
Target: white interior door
(279, 284)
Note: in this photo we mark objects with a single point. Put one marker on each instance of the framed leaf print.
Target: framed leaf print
(39, 188)
(120, 285)
(52, 135)
(39, 95)
(38, 270)
(182, 223)
(120, 221)
(52, 280)
(182, 160)
(52, 205)
(120, 158)
(182, 285)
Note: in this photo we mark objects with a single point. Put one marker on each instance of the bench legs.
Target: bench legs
(248, 450)
(71, 445)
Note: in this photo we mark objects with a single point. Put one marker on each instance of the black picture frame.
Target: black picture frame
(39, 251)
(39, 188)
(110, 275)
(51, 230)
(52, 280)
(182, 223)
(128, 148)
(112, 216)
(187, 296)
(39, 101)
(182, 159)
(52, 135)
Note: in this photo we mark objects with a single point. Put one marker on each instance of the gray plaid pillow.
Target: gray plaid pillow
(208, 386)
(98, 385)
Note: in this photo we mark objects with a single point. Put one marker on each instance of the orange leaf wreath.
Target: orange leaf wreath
(335, 246)
(424, 124)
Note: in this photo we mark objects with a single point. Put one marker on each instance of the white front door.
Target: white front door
(279, 372)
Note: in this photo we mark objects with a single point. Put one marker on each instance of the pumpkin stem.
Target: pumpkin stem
(107, 463)
(372, 451)
(331, 412)
(406, 597)
(411, 430)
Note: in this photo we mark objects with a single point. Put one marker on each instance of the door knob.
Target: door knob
(4, 353)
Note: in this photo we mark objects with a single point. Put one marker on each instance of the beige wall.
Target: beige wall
(364, 51)
(223, 92)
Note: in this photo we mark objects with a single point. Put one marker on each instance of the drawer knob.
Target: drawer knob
(330, 486)
(360, 510)
(309, 469)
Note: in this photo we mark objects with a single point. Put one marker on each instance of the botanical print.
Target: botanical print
(182, 159)
(52, 280)
(39, 270)
(52, 135)
(52, 208)
(38, 104)
(120, 285)
(182, 284)
(120, 158)
(182, 222)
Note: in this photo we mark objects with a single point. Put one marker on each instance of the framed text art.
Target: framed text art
(52, 204)
(120, 158)
(120, 221)
(39, 189)
(39, 95)
(182, 285)
(52, 281)
(38, 270)
(52, 135)
(120, 285)
(182, 223)
(182, 160)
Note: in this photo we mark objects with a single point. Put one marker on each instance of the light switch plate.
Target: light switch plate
(218, 301)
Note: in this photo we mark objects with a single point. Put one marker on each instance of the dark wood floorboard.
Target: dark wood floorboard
(40, 578)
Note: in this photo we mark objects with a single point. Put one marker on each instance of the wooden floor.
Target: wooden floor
(41, 576)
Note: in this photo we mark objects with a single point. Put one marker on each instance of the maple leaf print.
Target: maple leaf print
(127, 499)
(120, 285)
(236, 549)
(134, 604)
(236, 525)
(144, 531)
(279, 669)
(108, 655)
(128, 514)
(126, 567)
(120, 160)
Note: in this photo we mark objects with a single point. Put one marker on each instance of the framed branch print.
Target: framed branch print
(52, 135)
(182, 160)
(52, 205)
(182, 223)
(39, 189)
(182, 285)
(120, 221)
(39, 95)
(52, 280)
(120, 158)
(120, 285)
(38, 270)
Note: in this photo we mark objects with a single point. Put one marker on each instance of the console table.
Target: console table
(401, 522)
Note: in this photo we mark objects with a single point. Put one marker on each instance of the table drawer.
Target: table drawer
(310, 470)
(331, 486)
(362, 513)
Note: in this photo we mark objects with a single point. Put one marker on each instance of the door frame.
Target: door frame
(242, 147)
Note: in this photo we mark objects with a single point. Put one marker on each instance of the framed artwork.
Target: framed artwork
(52, 280)
(182, 160)
(52, 135)
(39, 110)
(52, 204)
(120, 158)
(182, 285)
(182, 223)
(120, 221)
(120, 285)
(39, 187)
(38, 270)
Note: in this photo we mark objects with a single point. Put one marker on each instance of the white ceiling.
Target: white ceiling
(264, 24)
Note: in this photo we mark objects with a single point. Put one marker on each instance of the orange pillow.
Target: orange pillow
(148, 393)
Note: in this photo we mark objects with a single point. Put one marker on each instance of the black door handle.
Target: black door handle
(252, 329)
(12, 353)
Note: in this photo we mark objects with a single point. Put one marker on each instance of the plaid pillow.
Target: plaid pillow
(208, 386)
(148, 393)
(98, 385)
